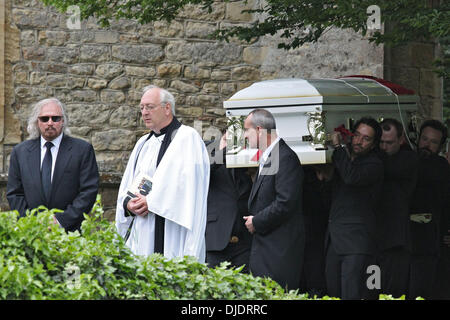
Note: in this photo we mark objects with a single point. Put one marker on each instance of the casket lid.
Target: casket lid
(346, 90)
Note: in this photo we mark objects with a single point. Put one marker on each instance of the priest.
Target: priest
(171, 218)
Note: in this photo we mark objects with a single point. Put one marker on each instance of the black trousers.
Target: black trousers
(442, 281)
(237, 254)
(394, 264)
(347, 276)
(423, 271)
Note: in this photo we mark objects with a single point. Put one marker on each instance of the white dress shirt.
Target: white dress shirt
(266, 154)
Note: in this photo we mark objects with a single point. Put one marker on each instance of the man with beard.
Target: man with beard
(52, 168)
(393, 234)
(428, 210)
(350, 241)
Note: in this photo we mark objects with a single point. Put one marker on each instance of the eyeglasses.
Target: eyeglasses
(148, 107)
(46, 118)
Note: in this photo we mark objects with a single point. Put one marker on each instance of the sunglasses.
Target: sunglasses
(46, 118)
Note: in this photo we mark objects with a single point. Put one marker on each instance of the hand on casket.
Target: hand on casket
(344, 134)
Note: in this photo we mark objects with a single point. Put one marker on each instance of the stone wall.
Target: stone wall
(411, 66)
(99, 73)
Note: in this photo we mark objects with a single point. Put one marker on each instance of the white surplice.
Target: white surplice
(179, 194)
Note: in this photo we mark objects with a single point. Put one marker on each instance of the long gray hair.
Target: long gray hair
(164, 97)
(33, 128)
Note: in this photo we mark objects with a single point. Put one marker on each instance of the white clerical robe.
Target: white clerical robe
(179, 194)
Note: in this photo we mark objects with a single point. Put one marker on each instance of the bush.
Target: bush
(39, 260)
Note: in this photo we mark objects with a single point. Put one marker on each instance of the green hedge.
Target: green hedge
(39, 260)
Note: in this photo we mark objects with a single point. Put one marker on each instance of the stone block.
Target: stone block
(114, 140)
(124, 117)
(183, 86)
(106, 37)
(220, 75)
(192, 72)
(234, 11)
(255, 55)
(53, 38)
(245, 73)
(200, 30)
(119, 83)
(109, 70)
(30, 18)
(197, 12)
(96, 84)
(81, 132)
(82, 69)
(112, 96)
(21, 77)
(65, 55)
(81, 36)
(84, 95)
(57, 80)
(37, 78)
(88, 115)
(140, 71)
(33, 53)
(204, 54)
(138, 53)
(27, 38)
(190, 111)
(94, 53)
(210, 87)
(174, 29)
(169, 69)
(430, 83)
(227, 89)
(139, 84)
(108, 161)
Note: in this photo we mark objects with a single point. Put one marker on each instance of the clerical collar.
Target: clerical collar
(165, 129)
(162, 131)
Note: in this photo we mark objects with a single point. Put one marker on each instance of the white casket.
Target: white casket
(307, 111)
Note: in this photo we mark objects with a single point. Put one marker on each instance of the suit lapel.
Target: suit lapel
(34, 166)
(255, 188)
(62, 160)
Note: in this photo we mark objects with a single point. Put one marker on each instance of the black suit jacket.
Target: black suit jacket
(228, 194)
(275, 202)
(356, 190)
(430, 196)
(74, 184)
(400, 177)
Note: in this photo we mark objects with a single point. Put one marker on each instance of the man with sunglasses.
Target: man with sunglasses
(52, 168)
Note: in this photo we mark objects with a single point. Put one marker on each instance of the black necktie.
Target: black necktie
(47, 171)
